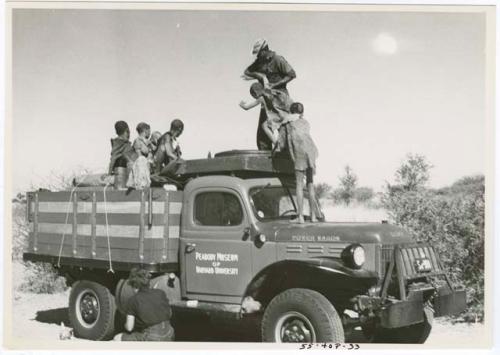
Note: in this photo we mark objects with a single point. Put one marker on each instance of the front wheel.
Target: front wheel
(92, 310)
(301, 316)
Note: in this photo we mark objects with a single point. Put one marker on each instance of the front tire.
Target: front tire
(301, 315)
(92, 311)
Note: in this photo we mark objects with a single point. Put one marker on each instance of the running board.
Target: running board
(226, 310)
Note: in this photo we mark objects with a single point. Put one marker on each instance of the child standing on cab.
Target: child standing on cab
(303, 152)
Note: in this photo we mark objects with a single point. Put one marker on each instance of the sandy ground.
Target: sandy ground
(39, 316)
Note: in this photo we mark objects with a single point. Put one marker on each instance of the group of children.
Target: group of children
(150, 153)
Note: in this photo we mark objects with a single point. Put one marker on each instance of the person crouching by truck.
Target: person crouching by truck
(148, 311)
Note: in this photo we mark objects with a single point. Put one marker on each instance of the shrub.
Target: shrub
(42, 278)
(20, 230)
(452, 219)
(322, 190)
(347, 186)
(38, 277)
(363, 194)
(413, 173)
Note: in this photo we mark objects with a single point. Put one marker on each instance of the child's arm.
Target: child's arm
(248, 105)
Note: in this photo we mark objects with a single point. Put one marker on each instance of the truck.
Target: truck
(223, 243)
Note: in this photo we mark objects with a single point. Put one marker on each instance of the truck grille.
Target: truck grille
(410, 257)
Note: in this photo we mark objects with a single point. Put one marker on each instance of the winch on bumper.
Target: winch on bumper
(414, 280)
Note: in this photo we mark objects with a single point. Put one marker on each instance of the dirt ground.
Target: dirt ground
(40, 315)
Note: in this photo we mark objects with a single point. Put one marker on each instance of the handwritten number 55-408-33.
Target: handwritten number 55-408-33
(333, 346)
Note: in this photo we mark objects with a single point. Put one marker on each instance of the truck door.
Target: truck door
(215, 248)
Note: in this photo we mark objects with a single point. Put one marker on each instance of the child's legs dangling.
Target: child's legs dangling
(269, 132)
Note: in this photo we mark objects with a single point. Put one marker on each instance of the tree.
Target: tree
(348, 184)
(363, 194)
(322, 190)
(413, 174)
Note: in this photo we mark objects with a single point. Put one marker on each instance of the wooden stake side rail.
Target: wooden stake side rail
(143, 226)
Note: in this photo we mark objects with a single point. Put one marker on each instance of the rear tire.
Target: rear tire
(301, 315)
(92, 311)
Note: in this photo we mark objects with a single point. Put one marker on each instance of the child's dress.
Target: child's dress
(301, 147)
(139, 176)
(275, 103)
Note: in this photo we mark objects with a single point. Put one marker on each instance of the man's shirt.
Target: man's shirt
(274, 67)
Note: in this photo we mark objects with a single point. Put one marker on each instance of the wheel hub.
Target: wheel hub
(294, 327)
(88, 308)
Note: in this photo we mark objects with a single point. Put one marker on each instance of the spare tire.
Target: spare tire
(92, 311)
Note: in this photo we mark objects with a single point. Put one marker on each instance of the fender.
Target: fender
(328, 276)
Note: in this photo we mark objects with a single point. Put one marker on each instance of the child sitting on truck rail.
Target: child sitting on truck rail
(275, 102)
(148, 311)
(121, 149)
(168, 155)
(295, 132)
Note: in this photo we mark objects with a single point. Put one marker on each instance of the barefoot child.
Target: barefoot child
(276, 105)
(139, 176)
(304, 153)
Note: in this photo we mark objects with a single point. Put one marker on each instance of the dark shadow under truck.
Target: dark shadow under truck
(223, 246)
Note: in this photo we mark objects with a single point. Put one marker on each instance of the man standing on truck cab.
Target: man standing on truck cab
(121, 148)
(168, 154)
(273, 72)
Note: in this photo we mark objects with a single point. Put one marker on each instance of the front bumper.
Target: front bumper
(404, 313)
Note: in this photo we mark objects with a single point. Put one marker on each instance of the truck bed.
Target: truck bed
(111, 228)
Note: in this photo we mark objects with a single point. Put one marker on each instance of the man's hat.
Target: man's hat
(259, 44)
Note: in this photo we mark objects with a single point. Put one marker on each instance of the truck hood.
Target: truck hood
(284, 231)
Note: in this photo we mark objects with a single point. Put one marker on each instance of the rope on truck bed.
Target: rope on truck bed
(66, 223)
(107, 230)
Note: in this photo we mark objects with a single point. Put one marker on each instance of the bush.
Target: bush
(345, 191)
(20, 230)
(322, 190)
(38, 277)
(42, 278)
(452, 219)
(363, 194)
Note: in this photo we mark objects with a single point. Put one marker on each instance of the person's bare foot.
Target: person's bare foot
(299, 220)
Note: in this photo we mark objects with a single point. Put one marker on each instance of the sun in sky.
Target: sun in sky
(385, 44)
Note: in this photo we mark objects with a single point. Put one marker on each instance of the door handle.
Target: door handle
(190, 247)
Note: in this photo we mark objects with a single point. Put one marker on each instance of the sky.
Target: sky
(375, 86)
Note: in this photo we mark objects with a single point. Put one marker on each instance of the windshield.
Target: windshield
(276, 202)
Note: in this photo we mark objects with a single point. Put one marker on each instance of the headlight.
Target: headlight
(354, 256)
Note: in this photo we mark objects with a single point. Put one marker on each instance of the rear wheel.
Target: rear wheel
(301, 315)
(92, 311)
